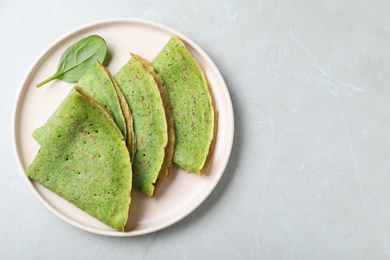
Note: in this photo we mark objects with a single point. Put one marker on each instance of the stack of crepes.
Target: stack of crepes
(112, 134)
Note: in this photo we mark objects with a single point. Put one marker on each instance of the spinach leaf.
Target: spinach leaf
(77, 59)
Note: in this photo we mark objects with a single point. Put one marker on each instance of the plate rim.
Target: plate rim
(40, 58)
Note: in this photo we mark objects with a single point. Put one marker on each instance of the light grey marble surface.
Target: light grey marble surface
(309, 172)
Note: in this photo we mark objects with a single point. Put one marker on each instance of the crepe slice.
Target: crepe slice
(84, 159)
(195, 117)
(153, 124)
(167, 163)
(98, 82)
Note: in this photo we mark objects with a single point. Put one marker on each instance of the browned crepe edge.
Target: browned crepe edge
(214, 139)
(130, 135)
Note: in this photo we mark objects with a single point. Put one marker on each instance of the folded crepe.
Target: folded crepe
(98, 82)
(84, 159)
(195, 117)
(153, 124)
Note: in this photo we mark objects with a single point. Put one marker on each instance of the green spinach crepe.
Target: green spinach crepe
(167, 163)
(194, 115)
(154, 133)
(84, 159)
(98, 82)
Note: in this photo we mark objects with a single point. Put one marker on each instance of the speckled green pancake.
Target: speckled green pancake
(167, 163)
(195, 118)
(84, 159)
(150, 125)
(98, 82)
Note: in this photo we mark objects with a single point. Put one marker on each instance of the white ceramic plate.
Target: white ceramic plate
(178, 196)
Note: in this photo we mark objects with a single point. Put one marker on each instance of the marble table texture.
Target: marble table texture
(309, 173)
